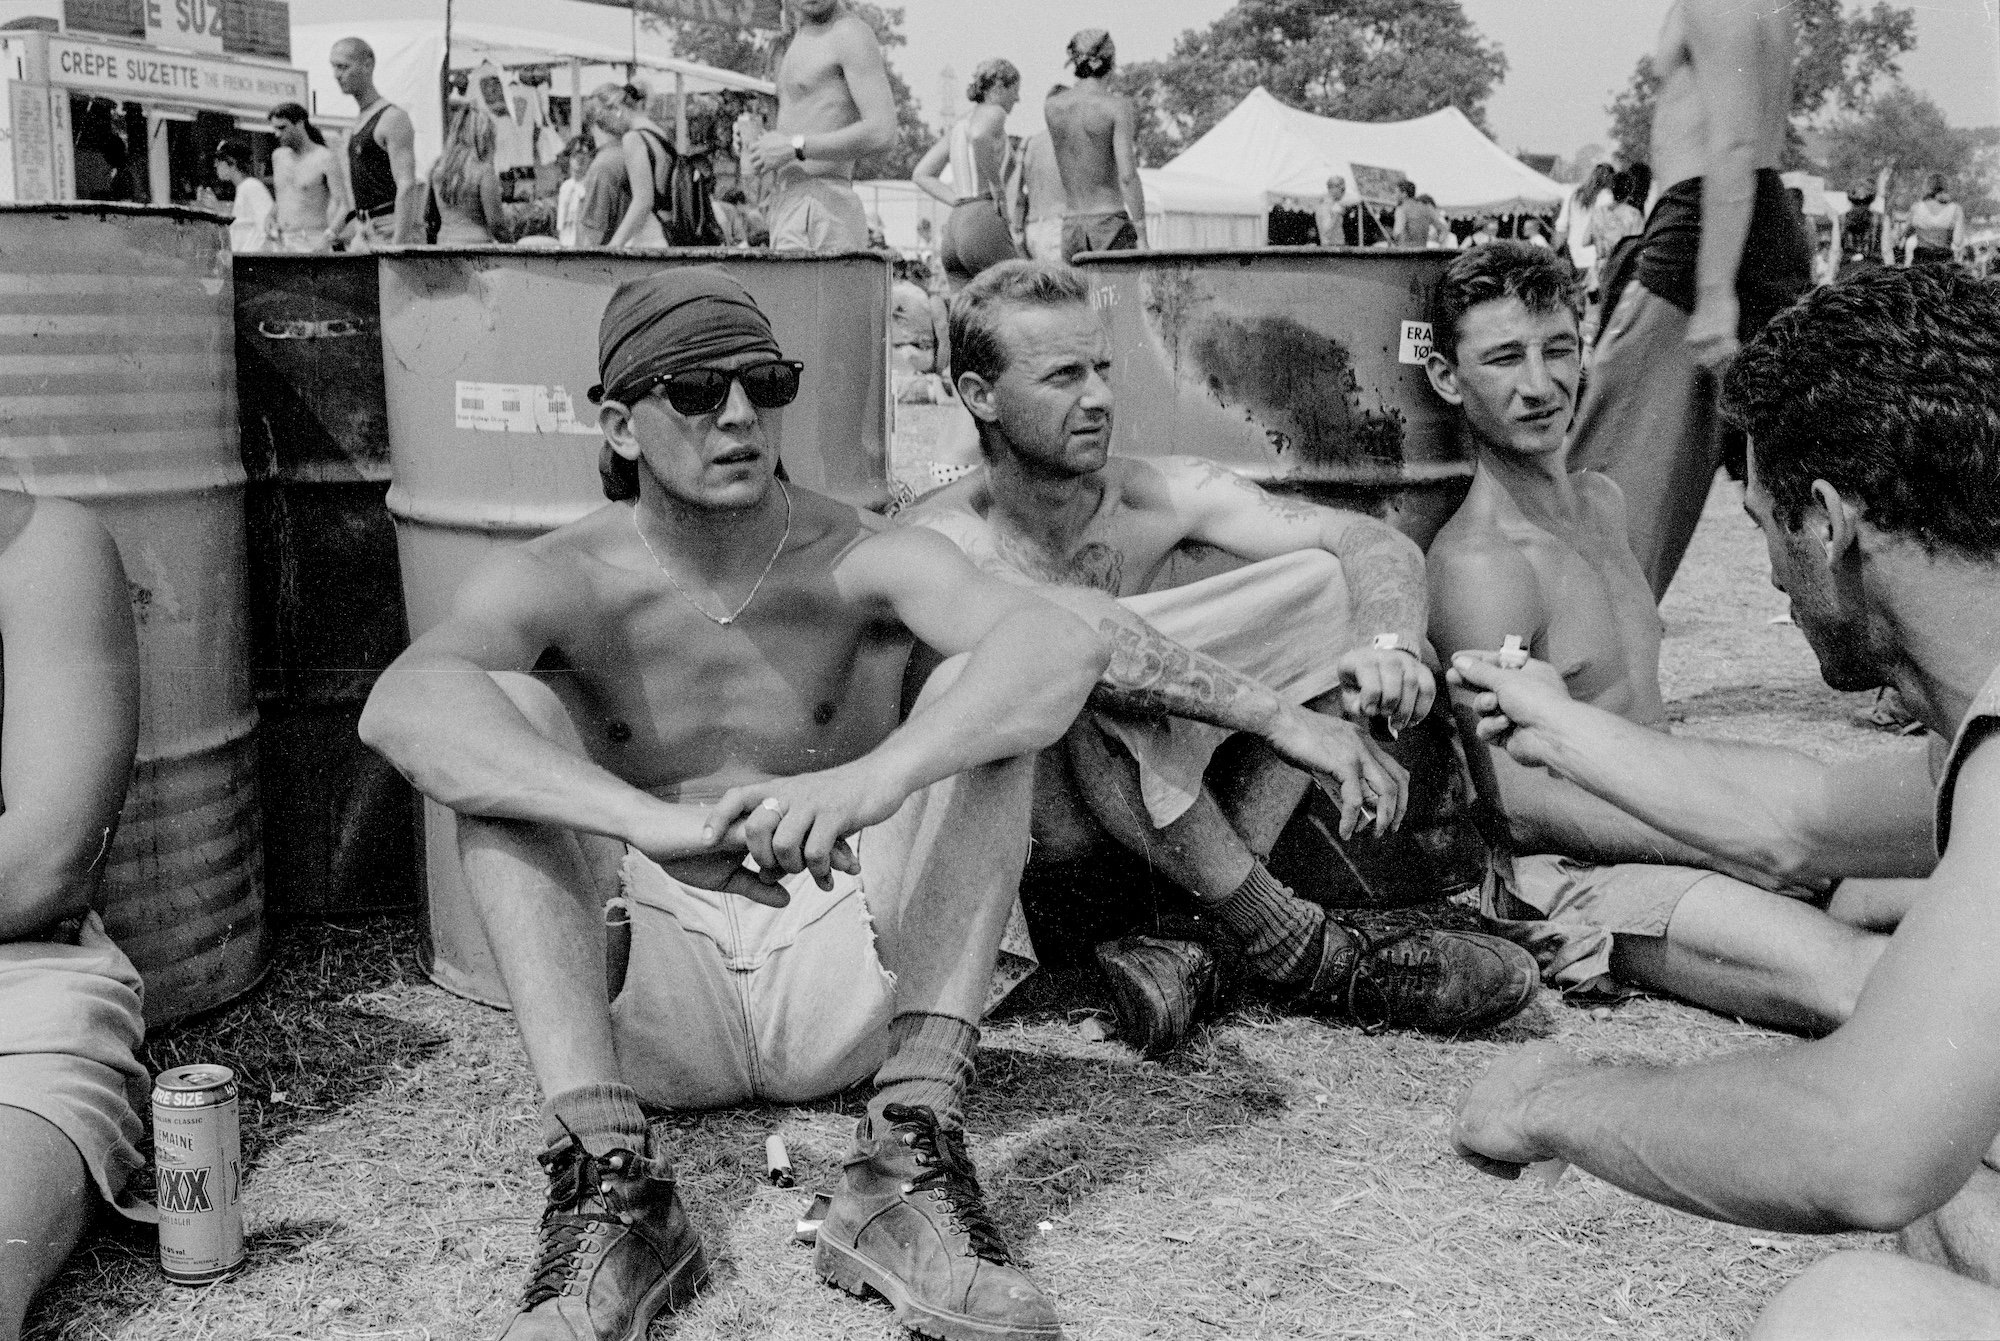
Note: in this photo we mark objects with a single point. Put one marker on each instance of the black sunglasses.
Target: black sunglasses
(694, 391)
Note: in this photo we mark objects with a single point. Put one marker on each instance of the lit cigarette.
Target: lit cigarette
(777, 1161)
(1513, 653)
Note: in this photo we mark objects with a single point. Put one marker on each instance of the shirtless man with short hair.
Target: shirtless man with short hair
(70, 1086)
(1092, 129)
(310, 202)
(1724, 251)
(1325, 623)
(1539, 552)
(1871, 410)
(623, 711)
(386, 193)
(834, 108)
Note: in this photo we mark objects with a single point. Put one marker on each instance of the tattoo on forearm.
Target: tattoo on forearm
(1152, 675)
(1385, 574)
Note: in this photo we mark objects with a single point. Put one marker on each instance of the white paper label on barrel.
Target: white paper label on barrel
(1416, 344)
(516, 407)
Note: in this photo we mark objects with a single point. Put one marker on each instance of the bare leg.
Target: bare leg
(540, 893)
(1743, 951)
(46, 1200)
(1880, 1297)
(1199, 851)
(942, 875)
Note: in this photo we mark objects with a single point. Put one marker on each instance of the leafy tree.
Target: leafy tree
(1841, 59)
(1365, 60)
(1906, 128)
(758, 53)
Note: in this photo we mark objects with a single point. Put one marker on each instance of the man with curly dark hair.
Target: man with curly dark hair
(1538, 551)
(1873, 411)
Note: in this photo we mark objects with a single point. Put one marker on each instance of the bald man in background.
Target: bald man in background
(381, 156)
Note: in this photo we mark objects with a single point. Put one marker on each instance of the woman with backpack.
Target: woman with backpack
(464, 183)
(648, 154)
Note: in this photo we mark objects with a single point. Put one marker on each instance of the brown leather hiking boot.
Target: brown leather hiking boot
(1413, 977)
(1160, 989)
(616, 1250)
(909, 1223)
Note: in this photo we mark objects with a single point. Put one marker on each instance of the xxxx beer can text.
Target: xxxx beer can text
(197, 1154)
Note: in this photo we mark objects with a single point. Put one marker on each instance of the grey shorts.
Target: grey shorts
(816, 214)
(69, 1025)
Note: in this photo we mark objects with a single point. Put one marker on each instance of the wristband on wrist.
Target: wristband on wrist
(1392, 642)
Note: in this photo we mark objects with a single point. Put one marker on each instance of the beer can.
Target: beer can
(197, 1153)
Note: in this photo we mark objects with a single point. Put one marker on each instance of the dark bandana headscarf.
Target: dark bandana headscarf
(671, 321)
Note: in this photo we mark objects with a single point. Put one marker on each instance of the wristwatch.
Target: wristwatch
(799, 147)
(1392, 642)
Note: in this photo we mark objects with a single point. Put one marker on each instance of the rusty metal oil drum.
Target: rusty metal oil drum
(326, 593)
(487, 355)
(118, 384)
(1301, 367)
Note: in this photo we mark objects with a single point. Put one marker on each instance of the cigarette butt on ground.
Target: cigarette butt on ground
(1513, 652)
(1548, 1172)
(806, 1231)
(777, 1161)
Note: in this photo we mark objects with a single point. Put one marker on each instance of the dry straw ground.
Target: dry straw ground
(1284, 1178)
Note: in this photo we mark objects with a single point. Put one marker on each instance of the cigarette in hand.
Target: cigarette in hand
(1513, 653)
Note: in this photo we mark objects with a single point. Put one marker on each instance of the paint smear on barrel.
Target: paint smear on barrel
(1298, 385)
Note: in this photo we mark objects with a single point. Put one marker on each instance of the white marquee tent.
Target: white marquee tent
(1287, 154)
(409, 55)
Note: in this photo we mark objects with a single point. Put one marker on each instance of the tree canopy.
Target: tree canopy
(1908, 130)
(1365, 60)
(1842, 58)
(758, 54)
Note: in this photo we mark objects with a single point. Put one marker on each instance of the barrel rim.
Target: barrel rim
(1154, 256)
(183, 213)
(759, 254)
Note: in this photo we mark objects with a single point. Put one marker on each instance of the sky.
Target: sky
(1566, 58)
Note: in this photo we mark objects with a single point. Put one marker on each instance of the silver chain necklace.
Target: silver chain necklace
(724, 620)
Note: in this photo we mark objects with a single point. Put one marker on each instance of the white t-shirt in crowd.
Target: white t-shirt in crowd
(251, 216)
(569, 205)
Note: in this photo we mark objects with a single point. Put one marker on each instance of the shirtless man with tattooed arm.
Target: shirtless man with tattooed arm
(1325, 626)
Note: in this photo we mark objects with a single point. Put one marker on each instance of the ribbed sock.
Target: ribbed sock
(1281, 933)
(930, 1063)
(602, 1118)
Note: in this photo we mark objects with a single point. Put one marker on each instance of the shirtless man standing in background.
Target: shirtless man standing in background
(1092, 129)
(834, 107)
(388, 195)
(1725, 250)
(310, 199)
(1540, 552)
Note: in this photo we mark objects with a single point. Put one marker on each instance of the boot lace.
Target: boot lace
(1389, 967)
(576, 1210)
(948, 1171)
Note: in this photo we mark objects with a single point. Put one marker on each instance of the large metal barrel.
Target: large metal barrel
(326, 594)
(1299, 366)
(488, 352)
(118, 384)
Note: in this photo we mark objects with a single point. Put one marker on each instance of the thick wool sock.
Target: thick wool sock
(1281, 933)
(930, 1063)
(602, 1118)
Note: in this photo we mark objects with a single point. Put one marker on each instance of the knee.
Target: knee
(1834, 1297)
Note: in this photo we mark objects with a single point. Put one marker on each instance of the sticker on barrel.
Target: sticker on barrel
(197, 1156)
(1415, 345)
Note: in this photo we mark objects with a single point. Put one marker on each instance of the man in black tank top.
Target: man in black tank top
(381, 156)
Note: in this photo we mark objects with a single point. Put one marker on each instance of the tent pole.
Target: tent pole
(444, 74)
(575, 97)
(680, 112)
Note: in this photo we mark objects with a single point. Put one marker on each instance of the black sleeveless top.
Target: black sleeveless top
(368, 168)
(1776, 268)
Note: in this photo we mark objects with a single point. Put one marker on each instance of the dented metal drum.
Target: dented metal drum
(1301, 367)
(326, 596)
(118, 385)
(488, 353)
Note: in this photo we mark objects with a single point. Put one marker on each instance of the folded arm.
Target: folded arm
(72, 711)
(438, 716)
(1871, 1127)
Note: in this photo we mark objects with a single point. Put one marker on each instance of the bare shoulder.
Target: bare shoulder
(1473, 560)
(851, 36)
(395, 124)
(899, 559)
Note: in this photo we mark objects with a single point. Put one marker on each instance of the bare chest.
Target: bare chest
(812, 86)
(677, 704)
(1603, 630)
